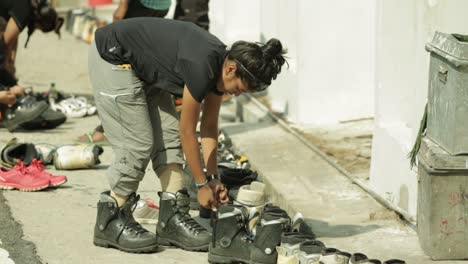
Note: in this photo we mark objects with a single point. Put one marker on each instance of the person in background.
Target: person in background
(195, 11)
(18, 15)
(141, 8)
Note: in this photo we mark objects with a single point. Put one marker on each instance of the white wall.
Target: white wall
(336, 73)
(404, 27)
(331, 53)
(235, 20)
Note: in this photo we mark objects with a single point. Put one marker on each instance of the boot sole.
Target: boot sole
(220, 259)
(226, 259)
(169, 242)
(107, 244)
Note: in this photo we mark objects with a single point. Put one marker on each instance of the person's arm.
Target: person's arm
(209, 142)
(7, 98)
(10, 38)
(121, 10)
(11, 34)
(188, 123)
(209, 132)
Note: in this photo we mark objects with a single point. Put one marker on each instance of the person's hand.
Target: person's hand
(220, 192)
(17, 90)
(7, 97)
(120, 12)
(206, 198)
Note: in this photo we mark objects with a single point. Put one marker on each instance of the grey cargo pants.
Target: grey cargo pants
(141, 125)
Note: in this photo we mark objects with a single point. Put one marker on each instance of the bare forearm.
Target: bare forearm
(209, 143)
(192, 154)
(123, 3)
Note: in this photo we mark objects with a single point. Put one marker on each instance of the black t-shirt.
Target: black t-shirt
(165, 53)
(19, 10)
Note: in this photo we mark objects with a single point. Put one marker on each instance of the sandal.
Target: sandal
(88, 139)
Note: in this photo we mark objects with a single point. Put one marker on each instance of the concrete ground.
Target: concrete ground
(57, 224)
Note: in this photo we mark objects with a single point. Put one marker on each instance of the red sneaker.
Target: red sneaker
(19, 178)
(37, 168)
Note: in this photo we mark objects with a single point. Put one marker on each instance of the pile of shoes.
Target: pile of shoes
(29, 178)
(226, 157)
(82, 24)
(70, 105)
(251, 230)
(45, 110)
(272, 237)
(67, 157)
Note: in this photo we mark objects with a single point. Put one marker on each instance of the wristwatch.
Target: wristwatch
(212, 177)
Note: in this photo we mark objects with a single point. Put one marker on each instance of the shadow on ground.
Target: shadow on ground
(324, 229)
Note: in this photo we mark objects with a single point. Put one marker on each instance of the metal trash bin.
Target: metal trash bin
(442, 202)
(448, 92)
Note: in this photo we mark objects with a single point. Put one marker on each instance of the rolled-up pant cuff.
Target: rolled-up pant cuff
(168, 156)
(124, 180)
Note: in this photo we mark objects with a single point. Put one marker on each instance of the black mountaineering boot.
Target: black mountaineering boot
(268, 236)
(175, 225)
(231, 241)
(22, 113)
(116, 227)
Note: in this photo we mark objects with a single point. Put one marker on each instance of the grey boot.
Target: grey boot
(291, 241)
(231, 242)
(342, 257)
(176, 227)
(310, 251)
(116, 227)
(329, 256)
(358, 258)
(268, 236)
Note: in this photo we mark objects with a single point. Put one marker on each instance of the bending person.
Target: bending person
(165, 58)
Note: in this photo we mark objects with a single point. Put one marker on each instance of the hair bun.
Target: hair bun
(273, 49)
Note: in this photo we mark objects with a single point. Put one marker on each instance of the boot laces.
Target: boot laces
(135, 228)
(186, 219)
(132, 225)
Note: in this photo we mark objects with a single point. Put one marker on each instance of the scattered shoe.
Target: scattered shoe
(13, 151)
(268, 237)
(116, 227)
(175, 225)
(77, 157)
(310, 252)
(342, 257)
(68, 107)
(18, 178)
(290, 242)
(37, 168)
(22, 113)
(252, 195)
(358, 258)
(329, 256)
(46, 152)
(146, 211)
(231, 240)
(49, 119)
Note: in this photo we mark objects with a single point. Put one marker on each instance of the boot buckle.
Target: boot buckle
(225, 242)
